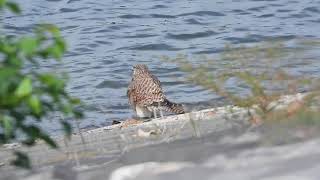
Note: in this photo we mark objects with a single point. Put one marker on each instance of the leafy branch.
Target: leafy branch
(27, 94)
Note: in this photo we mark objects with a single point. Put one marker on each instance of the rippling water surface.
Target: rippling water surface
(107, 37)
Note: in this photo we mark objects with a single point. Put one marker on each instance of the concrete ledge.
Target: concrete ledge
(105, 144)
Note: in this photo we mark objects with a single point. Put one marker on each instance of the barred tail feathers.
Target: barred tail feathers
(173, 107)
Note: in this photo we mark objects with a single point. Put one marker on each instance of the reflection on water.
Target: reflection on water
(107, 37)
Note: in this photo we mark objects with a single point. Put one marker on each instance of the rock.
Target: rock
(295, 161)
(146, 170)
(146, 134)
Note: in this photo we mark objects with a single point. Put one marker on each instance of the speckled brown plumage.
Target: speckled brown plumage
(146, 96)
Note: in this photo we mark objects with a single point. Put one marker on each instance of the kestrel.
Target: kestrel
(146, 96)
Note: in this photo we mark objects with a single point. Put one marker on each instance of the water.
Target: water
(106, 38)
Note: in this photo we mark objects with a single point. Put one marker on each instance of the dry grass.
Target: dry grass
(261, 74)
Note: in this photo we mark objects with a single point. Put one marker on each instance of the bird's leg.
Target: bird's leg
(155, 113)
(160, 110)
(161, 113)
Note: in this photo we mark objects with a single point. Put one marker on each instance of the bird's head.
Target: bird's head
(140, 69)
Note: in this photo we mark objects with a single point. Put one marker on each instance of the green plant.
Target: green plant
(257, 70)
(28, 95)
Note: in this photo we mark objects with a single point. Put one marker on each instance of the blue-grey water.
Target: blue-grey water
(105, 38)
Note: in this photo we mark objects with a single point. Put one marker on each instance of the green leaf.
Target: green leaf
(28, 45)
(52, 29)
(35, 104)
(29, 142)
(53, 82)
(31, 131)
(8, 48)
(66, 128)
(48, 140)
(55, 51)
(22, 160)
(15, 62)
(78, 113)
(3, 139)
(75, 101)
(7, 125)
(7, 76)
(13, 7)
(2, 3)
(24, 88)
(61, 44)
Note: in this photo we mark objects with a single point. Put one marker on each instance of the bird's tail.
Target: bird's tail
(173, 107)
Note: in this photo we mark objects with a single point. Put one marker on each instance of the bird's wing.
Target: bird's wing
(153, 91)
(156, 81)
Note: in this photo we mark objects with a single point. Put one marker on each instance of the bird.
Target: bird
(146, 96)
